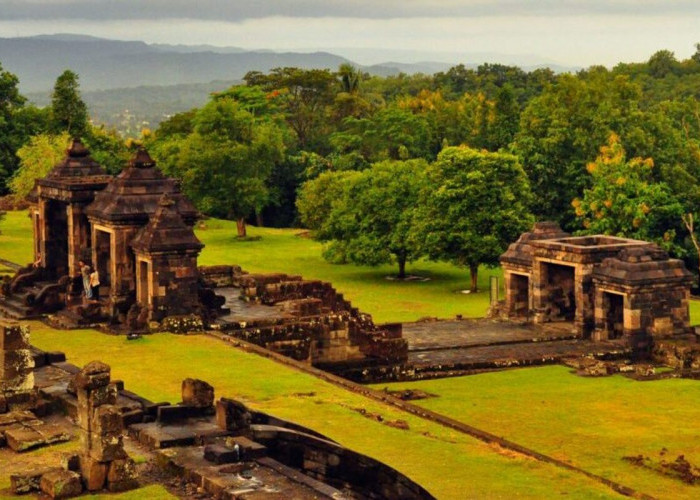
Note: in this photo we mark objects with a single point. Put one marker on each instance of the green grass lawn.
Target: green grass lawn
(590, 422)
(447, 463)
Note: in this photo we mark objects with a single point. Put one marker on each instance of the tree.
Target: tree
(562, 129)
(316, 197)
(225, 162)
(369, 223)
(10, 139)
(304, 95)
(663, 63)
(37, 158)
(474, 204)
(68, 111)
(624, 200)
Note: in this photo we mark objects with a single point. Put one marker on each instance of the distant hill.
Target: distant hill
(107, 64)
(132, 109)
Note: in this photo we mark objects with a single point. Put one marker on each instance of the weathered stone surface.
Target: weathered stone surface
(107, 447)
(107, 419)
(250, 450)
(23, 439)
(20, 383)
(94, 473)
(94, 375)
(219, 454)
(232, 415)
(28, 482)
(122, 471)
(27, 438)
(61, 484)
(197, 393)
(13, 336)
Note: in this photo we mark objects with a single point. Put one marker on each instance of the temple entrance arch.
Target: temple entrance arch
(102, 255)
(55, 241)
(613, 310)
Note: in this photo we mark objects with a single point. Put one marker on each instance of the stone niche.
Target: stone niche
(605, 287)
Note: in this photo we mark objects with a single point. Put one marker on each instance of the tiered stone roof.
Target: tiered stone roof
(75, 178)
(133, 196)
(642, 266)
(166, 231)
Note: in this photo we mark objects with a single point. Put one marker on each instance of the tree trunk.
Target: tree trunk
(689, 225)
(259, 218)
(474, 271)
(240, 225)
(402, 266)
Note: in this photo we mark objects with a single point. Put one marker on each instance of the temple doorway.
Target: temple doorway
(520, 291)
(56, 244)
(613, 308)
(103, 252)
(142, 287)
(560, 285)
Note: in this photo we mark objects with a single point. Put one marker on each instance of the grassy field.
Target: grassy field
(590, 422)
(449, 464)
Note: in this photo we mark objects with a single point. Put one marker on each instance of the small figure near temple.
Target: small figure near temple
(94, 285)
(85, 274)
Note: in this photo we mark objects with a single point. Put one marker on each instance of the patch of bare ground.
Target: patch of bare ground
(679, 468)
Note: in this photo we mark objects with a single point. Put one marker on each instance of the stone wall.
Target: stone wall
(320, 325)
(222, 276)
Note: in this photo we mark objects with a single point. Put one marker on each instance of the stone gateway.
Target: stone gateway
(606, 287)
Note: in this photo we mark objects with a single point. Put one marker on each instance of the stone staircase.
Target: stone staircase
(21, 304)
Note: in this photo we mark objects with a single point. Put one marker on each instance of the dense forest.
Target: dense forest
(447, 166)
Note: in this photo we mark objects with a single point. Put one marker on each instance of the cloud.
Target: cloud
(240, 10)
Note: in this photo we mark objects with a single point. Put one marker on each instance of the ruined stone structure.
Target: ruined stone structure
(606, 287)
(135, 229)
(307, 320)
(103, 461)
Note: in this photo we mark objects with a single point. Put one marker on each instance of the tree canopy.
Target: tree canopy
(473, 205)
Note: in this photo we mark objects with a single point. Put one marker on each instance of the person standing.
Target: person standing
(85, 274)
(95, 285)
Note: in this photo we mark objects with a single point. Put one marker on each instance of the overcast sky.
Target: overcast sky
(568, 32)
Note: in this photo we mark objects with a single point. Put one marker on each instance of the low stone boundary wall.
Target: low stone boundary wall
(333, 464)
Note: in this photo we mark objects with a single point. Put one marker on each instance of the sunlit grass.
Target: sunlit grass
(590, 422)
(447, 463)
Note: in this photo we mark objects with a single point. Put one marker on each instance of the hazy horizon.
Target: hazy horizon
(566, 32)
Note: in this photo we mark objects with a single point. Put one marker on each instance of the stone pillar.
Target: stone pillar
(16, 367)
(539, 291)
(103, 461)
(78, 237)
(43, 230)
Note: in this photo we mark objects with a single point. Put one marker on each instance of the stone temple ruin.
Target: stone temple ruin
(136, 230)
(605, 287)
(203, 447)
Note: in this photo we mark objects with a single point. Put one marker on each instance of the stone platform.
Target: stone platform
(241, 310)
(483, 343)
(462, 347)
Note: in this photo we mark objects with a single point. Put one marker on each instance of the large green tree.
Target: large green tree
(304, 96)
(225, 162)
(474, 204)
(37, 158)
(369, 223)
(10, 139)
(68, 111)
